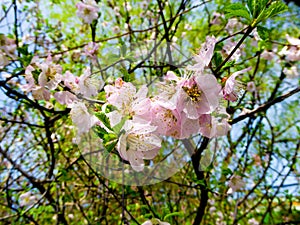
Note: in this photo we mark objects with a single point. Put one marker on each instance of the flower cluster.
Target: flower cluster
(87, 10)
(27, 199)
(44, 77)
(178, 107)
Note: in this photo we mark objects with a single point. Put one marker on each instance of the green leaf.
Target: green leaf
(237, 10)
(219, 46)
(4, 8)
(263, 32)
(26, 59)
(226, 171)
(110, 145)
(228, 65)
(250, 4)
(235, 6)
(36, 74)
(112, 57)
(100, 131)
(104, 119)
(201, 182)
(23, 50)
(109, 137)
(217, 59)
(275, 8)
(123, 50)
(173, 214)
(127, 77)
(256, 7)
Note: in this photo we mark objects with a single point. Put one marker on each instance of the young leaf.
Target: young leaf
(237, 10)
(275, 8)
(256, 7)
(23, 50)
(173, 214)
(263, 32)
(226, 171)
(217, 59)
(104, 119)
(110, 145)
(100, 131)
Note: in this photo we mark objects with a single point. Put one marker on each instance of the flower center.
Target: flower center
(86, 11)
(51, 72)
(137, 142)
(132, 140)
(193, 92)
(169, 115)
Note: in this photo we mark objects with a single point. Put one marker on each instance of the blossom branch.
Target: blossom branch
(21, 122)
(200, 176)
(265, 106)
(248, 31)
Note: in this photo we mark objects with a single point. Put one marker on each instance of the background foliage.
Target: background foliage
(37, 152)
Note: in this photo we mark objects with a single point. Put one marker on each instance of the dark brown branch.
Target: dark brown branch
(266, 106)
(20, 122)
(200, 176)
(248, 31)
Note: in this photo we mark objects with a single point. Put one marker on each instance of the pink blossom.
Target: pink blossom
(251, 87)
(236, 183)
(211, 126)
(30, 85)
(70, 81)
(48, 79)
(41, 93)
(138, 142)
(122, 92)
(291, 53)
(91, 49)
(168, 121)
(128, 101)
(253, 221)
(7, 46)
(27, 199)
(89, 86)
(199, 95)
(228, 47)
(50, 76)
(268, 55)
(3, 60)
(169, 91)
(230, 91)
(81, 117)
(65, 97)
(233, 24)
(216, 18)
(292, 40)
(193, 97)
(188, 126)
(204, 56)
(87, 10)
(291, 72)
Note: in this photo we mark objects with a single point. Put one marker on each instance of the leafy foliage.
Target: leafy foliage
(45, 176)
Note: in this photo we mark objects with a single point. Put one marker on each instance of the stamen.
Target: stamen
(194, 93)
